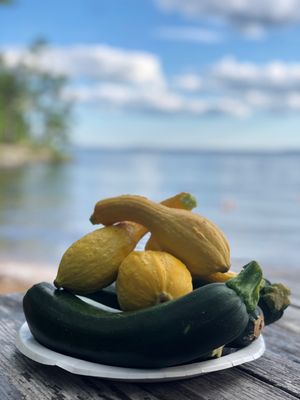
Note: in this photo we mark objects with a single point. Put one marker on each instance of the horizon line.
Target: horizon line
(170, 149)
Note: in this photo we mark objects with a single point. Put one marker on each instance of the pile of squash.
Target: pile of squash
(183, 245)
(178, 293)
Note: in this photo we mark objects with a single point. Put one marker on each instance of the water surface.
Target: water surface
(254, 198)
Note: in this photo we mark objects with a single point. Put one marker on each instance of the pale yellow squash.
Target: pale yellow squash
(92, 262)
(147, 278)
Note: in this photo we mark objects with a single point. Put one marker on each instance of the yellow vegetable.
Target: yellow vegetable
(193, 239)
(183, 201)
(220, 277)
(153, 244)
(92, 262)
(217, 277)
(147, 278)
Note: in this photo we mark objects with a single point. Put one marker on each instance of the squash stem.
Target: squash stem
(247, 284)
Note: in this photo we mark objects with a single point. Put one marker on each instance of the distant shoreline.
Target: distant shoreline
(19, 155)
(175, 150)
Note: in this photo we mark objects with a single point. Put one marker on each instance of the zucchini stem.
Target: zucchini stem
(247, 284)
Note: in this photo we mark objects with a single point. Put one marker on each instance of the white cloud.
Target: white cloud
(273, 76)
(93, 61)
(246, 15)
(189, 34)
(293, 101)
(287, 102)
(189, 82)
(274, 86)
(154, 100)
(236, 76)
(135, 81)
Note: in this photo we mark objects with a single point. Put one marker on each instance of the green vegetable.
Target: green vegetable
(242, 284)
(106, 296)
(252, 330)
(274, 299)
(216, 353)
(168, 334)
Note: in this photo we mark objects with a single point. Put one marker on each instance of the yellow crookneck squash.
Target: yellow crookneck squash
(92, 262)
(191, 238)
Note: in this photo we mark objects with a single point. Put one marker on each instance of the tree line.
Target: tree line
(32, 107)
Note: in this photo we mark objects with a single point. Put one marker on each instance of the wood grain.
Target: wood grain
(275, 376)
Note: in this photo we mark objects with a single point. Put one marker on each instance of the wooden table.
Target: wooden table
(274, 376)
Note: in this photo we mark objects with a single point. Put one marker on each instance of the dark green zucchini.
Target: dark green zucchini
(105, 296)
(168, 334)
(252, 330)
(198, 283)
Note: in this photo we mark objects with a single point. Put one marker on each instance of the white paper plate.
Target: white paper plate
(35, 351)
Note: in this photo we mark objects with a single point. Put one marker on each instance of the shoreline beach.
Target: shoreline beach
(18, 277)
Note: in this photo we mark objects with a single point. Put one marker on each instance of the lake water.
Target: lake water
(254, 198)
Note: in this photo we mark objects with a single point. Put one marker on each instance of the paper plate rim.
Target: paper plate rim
(32, 349)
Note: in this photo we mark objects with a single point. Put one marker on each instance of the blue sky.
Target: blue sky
(168, 73)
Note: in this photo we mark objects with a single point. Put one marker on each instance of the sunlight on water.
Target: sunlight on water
(254, 198)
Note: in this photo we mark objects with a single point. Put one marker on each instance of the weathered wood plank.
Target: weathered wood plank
(11, 306)
(42, 382)
(8, 391)
(223, 385)
(282, 342)
(271, 369)
(291, 319)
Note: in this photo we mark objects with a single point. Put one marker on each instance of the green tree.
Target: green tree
(50, 112)
(32, 106)
(13, 96)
